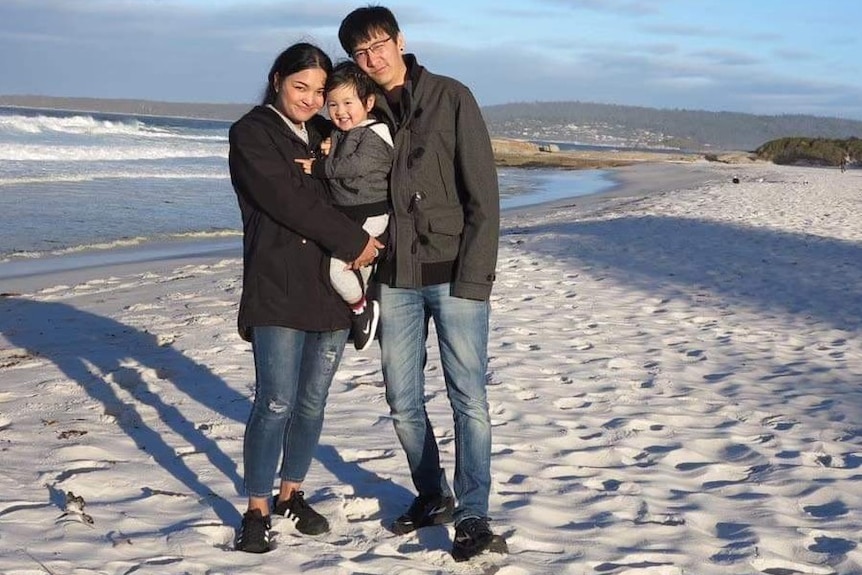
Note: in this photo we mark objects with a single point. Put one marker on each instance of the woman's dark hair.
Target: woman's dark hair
(359, 25)
(347, 73)
(299, 57)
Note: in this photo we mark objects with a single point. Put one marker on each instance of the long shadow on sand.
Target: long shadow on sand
(779, 272)
(88, 348)
(793, 278)
(393, 498)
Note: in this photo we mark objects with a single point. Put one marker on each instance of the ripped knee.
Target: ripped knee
(276, 406)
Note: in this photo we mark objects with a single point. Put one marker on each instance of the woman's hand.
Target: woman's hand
(368, 255)
(305, 163)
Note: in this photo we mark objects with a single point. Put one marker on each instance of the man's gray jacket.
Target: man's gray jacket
(445, 221)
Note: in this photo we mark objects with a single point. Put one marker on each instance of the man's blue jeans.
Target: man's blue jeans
(462, 333)
(294, 370)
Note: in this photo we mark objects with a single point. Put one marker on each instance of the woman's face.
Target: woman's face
(300, 95)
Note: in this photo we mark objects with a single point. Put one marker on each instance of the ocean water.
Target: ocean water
(78, 182)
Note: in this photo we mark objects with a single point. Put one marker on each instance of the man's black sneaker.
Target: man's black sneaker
(253, 536)
(307, 520)
(424, 511)
(473, 537)
(364, 325)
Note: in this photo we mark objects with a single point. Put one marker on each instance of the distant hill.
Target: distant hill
(632, 126)
(578, 122)
(132, 107)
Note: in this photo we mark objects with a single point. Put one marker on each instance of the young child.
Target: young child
(357, 168)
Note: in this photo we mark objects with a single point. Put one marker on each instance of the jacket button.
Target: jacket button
(305, 241)
(491, 277)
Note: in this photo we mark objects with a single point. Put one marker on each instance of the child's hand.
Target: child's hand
(305, 163)
(325, 146)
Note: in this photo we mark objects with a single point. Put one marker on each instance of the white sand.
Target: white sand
(676, 387)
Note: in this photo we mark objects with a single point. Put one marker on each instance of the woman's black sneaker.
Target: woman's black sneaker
(473, 537)
(307, 520)
(253, 536)
(424, 511)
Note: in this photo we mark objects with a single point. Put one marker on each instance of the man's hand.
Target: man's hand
(325, 146)
(368, 255)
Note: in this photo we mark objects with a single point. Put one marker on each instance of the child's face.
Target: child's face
(345, 108)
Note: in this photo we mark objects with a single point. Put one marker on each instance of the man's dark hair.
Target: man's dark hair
(347, 73)
(361, 24)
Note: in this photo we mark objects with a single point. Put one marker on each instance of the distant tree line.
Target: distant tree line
(818, 151)
(718, 130)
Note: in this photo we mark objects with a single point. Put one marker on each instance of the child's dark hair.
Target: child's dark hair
(362, 23)
(296, 58)
(347, 73)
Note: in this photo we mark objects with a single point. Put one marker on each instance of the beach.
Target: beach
(674, 386)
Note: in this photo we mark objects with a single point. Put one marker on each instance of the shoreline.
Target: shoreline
(22, 276)
(631, 182)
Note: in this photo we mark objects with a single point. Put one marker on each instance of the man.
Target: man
(444, 233)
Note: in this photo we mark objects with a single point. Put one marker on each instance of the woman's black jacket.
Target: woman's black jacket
(290, 228)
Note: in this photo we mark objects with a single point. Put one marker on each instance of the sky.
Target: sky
(760, 57)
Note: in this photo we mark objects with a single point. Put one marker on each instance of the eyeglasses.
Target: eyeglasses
(376, 49)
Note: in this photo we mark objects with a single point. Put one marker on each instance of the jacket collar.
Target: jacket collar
(316, 126)
(415, 73)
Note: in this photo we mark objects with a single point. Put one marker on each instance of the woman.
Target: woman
(297, 324)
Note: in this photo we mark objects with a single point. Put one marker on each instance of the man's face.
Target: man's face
(380, 58)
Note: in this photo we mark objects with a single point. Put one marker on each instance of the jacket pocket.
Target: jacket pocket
(448, 221)
(438, 233)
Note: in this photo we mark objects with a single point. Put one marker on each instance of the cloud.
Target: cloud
(726, 58)
(628, 7)
(640, 78)
(220, 51)
(161, 50)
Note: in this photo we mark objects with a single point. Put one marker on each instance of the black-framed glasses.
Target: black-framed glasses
(375, 48)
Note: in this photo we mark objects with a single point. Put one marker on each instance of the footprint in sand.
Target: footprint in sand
(827, 510)
(741, 543)
(637, 565)
(83, 468)
(18, 358)
(621, 363)
(776, 565)
(580, 344)
(778, 423)
(220, 536)
(522, 394)
(692, 355)
(138, 307)
(364, 455)
(87, 455)
(166, 339)
(566, 403)
(824, 543)
(361, 508)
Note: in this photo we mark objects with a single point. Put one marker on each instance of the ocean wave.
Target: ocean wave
(88, 125)
(38, 152)
(119, 243)
(75, 178)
